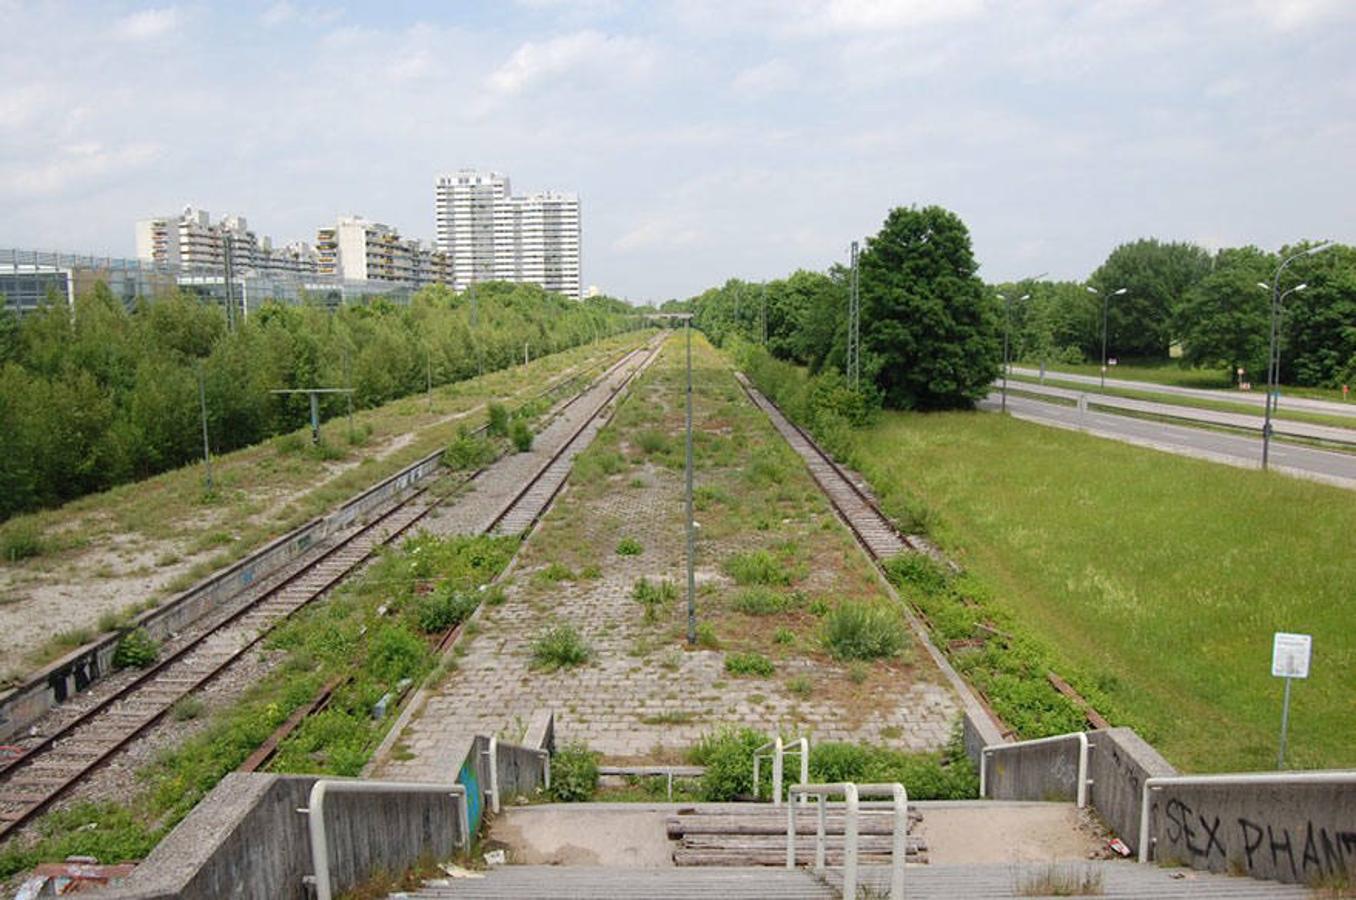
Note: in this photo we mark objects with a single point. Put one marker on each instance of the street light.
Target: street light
(1106, 299)
(1007, 324)
(1273, 348)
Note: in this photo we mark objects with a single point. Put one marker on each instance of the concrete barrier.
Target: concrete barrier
(1119, 762)
(1290, 827)
(246, 839)
(77, 670)
(1033, 771)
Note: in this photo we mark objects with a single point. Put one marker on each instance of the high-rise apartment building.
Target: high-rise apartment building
(356, 249)
(489, 233)
(191, 241)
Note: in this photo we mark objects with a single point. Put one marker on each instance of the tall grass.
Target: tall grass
(1154, 580)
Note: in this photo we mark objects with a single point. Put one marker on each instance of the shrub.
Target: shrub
(629, 546)
(574, 774)
(727, 755)
(560, 647)
(855, 630)
(521, 435)
(757, 567)
(706, 636)
(468, 451)
(442, 608)
(783, 636)
(749, 664)
(918, 570)
(653, 595)
(762, 601)
(652, 441)
(498, 423)
(800, 685)
(21, 540)
(137, 649)
(187, 709)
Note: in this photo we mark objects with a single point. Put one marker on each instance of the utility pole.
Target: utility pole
(691, 526)
(854, 351)
(206, 447)
(228, 269)
(762, 314)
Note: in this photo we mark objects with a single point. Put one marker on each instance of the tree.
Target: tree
(1320, 321)
(930, 333)
(1156, 277)
(1223, 320)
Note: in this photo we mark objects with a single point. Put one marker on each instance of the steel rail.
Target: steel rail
(842, 477)
(536, 479)
(88, 718)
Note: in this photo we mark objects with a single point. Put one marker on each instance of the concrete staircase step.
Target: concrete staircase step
(562, 883)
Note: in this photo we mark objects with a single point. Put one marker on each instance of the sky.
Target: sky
(707, 139)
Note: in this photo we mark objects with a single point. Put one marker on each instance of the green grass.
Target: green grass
(1153, 582)
(749, 664)
(858, 631)
(560, 647)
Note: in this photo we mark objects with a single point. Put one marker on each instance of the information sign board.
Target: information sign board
(1290, 655)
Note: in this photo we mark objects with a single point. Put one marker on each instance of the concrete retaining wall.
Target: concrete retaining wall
(1039, 772)
(1285, 832)
(1119, 762)
(74, 672)
(246, 840)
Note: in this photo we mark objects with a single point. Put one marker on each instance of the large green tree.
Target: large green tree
(1222, 319)
(930, 333)
(1156, 277)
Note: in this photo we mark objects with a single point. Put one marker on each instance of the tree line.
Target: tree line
(930, 331)
(1208, 309)
(96, 394)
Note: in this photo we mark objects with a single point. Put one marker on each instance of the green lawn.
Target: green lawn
(1158, 580)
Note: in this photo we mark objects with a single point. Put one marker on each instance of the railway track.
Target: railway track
(532, 500)
(873, 528)
(94, 735)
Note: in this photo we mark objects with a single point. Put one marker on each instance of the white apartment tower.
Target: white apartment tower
(488, 233)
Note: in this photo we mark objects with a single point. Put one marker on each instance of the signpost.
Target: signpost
(1289, 660)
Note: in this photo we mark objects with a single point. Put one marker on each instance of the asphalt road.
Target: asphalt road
(1257, 398)
(1318, 465)
(1251, 421)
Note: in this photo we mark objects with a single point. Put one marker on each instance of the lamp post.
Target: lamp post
(1007, 325)
(1273, 347)
(1106, 299)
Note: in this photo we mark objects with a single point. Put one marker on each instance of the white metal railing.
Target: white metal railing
(776, 751)
(493, 755)
(851, 794)
(315, 811)
(1254, 778)
(1083, 747)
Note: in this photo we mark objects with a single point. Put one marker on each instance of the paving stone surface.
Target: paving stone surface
(644, 695)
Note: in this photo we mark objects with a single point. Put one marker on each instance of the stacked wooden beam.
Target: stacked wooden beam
(757, 837)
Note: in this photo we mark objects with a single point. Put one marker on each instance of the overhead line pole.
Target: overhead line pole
(691, 526)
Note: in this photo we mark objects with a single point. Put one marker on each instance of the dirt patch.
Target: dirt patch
(577, 836)
(1009, 832)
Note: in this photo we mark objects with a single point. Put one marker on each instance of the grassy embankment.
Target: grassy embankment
(260, 492)
(1152, 581)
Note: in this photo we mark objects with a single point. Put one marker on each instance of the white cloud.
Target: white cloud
(79, 163)
(770, 77)
(147, 24)
(879, 15)
(278, 14)
(617, 59)
(659, 231)
(1293, 15)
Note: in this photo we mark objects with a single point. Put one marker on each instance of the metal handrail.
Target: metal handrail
(493, 754)
(851, 794)
(315, 811)
(1246, 778)
(777, 752)
(1083, 746)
